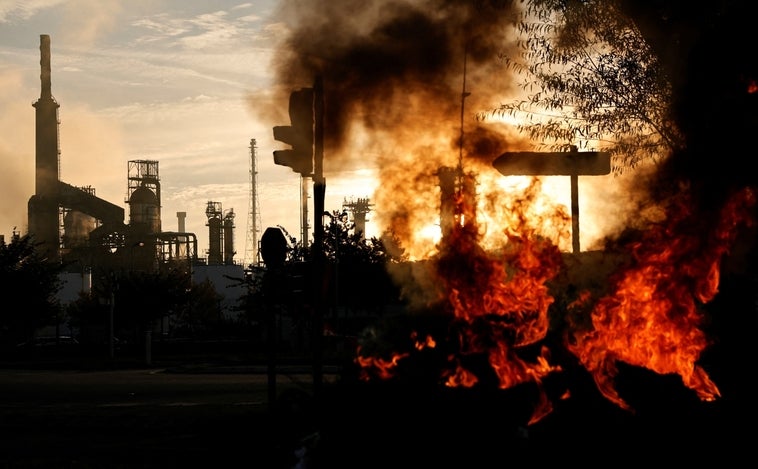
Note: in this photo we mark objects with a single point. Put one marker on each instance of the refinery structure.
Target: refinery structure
(84, 233)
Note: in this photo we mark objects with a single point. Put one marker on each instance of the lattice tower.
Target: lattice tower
(252, 250)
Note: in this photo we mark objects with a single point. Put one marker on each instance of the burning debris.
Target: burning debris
(498, 305)
(653, 315)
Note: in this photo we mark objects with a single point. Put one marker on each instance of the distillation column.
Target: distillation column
(214, 213)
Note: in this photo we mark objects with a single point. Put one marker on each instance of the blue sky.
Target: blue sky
(175, 81)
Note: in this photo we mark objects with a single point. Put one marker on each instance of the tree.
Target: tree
(141, 298)
(200, 312)
(29, 282)
(591, 81)
(357, 274)
(342, 243)
(355, 277)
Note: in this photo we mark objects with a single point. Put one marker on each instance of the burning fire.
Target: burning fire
(499, 304)
(651, 316)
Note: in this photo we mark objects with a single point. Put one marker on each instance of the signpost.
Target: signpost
(572, 163)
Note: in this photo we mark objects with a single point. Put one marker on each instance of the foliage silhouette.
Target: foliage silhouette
(31, 283)
(591, 81)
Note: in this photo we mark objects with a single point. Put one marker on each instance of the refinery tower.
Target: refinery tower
(71, 225)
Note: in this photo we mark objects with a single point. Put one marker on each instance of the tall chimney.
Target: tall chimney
(47, 148)
(43, 205)
(181, 217)
(44, 61)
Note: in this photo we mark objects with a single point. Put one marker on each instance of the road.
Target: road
(220, 417)
(150, 418)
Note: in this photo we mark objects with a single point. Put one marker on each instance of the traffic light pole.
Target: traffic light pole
(319, 190)
(305, 135)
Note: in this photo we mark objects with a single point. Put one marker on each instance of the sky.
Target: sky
(191, 83)
(170, 81)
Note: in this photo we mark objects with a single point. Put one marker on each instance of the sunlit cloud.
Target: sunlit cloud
(89, 20)
(162, 25)
(17, 153)
(12, 10)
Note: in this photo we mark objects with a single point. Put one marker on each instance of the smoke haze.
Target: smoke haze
(393, 75)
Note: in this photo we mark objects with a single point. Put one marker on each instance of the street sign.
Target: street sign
(573, 163)
(562, 163)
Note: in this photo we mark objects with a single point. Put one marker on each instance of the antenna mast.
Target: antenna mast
(464, 95)
(252, 251)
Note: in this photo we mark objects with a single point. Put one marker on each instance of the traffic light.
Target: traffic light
(299, 135)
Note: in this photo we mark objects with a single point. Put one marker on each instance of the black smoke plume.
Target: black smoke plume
(390, 63)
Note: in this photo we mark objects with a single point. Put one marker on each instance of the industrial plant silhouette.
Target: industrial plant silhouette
(84, 233)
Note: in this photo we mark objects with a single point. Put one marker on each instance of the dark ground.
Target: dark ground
(146, 418)
(210, 408)
(215, 413)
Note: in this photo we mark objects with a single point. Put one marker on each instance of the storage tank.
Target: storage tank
(144, 210)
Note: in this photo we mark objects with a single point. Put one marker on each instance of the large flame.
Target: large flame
(499, 303)
(653, 316)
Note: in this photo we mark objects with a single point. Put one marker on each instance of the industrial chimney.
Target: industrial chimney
(181, 217)
(47, 150)
(43, 209)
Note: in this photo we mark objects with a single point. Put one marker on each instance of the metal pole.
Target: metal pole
(110, 324)
(575, 213)
(271, 352)
(319, 190)
(148, 345)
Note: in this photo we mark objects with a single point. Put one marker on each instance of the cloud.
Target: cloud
(13, 11)
(16, 152)
(141, 81)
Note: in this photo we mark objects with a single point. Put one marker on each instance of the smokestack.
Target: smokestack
(43, 207)
(44, 61)
(181, 216)
(47, 149)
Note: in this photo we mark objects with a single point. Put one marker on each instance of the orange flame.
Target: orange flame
(652, 318)
(499, 303)
(428, 341)
(383, 367)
